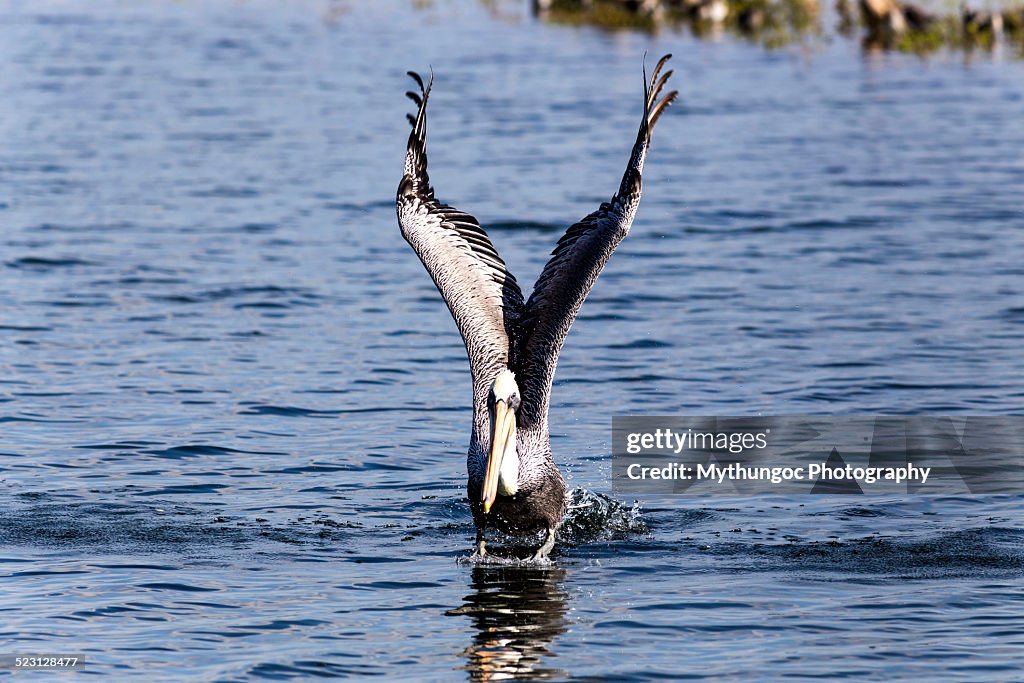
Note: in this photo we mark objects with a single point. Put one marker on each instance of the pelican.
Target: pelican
(514, 483)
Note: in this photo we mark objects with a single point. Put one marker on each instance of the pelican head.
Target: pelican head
(503, 463)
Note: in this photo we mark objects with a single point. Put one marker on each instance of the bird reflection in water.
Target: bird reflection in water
(517, 612)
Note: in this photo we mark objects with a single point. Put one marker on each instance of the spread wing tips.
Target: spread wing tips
(657, 70)
(416, 181)
(660, 107)
(655, 107)
(420, 120)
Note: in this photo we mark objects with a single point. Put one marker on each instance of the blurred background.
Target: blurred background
(235, 411)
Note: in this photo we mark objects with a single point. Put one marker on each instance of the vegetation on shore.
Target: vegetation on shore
(881, 24)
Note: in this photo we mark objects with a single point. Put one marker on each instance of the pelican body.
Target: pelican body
(513, 344)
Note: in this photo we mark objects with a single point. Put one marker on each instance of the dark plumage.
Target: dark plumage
(513, 347)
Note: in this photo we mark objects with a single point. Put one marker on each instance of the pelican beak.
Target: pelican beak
(502, 436)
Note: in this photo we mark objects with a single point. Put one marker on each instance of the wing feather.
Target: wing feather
(576, 262)
(482, 295)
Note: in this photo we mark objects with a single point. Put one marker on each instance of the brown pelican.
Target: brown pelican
(514, 484)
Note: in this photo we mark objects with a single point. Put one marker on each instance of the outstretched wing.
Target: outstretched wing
(576, 262)
(481, 294)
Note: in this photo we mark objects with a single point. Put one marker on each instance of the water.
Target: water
(235, 411)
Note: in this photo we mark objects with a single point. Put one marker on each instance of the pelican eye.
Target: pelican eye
(513, 401)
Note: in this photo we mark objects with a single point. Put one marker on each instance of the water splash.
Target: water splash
(591, 517)
(595, 516)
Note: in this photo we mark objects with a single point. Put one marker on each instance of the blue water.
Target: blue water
(234, 410)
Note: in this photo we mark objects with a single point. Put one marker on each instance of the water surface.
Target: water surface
(235, 411)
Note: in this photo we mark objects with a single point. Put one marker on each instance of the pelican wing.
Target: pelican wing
(481, 294)
(577, 260)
